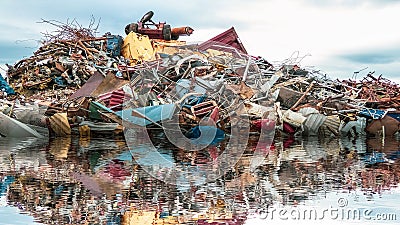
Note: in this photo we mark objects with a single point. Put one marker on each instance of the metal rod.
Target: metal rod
(246, 71)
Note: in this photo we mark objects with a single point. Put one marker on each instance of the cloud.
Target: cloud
(341, 35)
(372, 58)
(344, 66)
(376, 55)
(13, 52)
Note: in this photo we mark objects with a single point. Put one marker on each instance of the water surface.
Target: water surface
(105, 181)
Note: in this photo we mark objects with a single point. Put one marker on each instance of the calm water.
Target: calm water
(301, 180)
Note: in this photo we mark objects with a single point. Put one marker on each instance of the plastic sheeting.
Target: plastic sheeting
(4, 86)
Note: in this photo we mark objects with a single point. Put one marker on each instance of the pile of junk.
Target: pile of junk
(78, 83)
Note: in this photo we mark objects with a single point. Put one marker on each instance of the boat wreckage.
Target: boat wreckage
(77, 83)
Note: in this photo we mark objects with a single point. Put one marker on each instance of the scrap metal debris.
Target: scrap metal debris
(149, 78)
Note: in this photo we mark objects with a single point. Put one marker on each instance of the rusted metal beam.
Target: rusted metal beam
(303, 96)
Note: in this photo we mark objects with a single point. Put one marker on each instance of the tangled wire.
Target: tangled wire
(70, 31)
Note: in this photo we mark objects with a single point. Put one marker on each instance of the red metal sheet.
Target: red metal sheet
(113, 98)
(229, 37)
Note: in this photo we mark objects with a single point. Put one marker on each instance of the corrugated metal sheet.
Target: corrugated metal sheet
(294, 118)
(330, 126)
(113, 100)
(59, 124)
(313, 122)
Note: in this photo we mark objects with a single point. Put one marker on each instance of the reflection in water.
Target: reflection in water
(96, 181)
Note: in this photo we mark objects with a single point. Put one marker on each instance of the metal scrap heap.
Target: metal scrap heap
(64, 63)
(89, 85)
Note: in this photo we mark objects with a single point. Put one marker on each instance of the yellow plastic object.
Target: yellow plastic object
(84, 131)
(167, 47)
(59, 124)
(137, 48)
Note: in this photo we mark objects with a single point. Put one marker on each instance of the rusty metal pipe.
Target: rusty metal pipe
(179, 31)
(303, 96)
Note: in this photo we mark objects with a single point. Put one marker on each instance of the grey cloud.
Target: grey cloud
(344, 70)
(379, 56)
(383, 61)
(371, 58)
(12, 52)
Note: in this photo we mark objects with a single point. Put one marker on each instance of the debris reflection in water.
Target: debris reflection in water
(96, 181)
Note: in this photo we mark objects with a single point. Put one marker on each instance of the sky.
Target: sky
(337, 37)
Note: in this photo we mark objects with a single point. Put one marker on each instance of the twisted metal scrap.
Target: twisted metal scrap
(70, 31)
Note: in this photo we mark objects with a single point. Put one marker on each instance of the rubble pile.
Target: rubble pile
(64, 63)
(204, 83)
(316, 105)
(92, 84)
(88, 86)
(378, 92)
